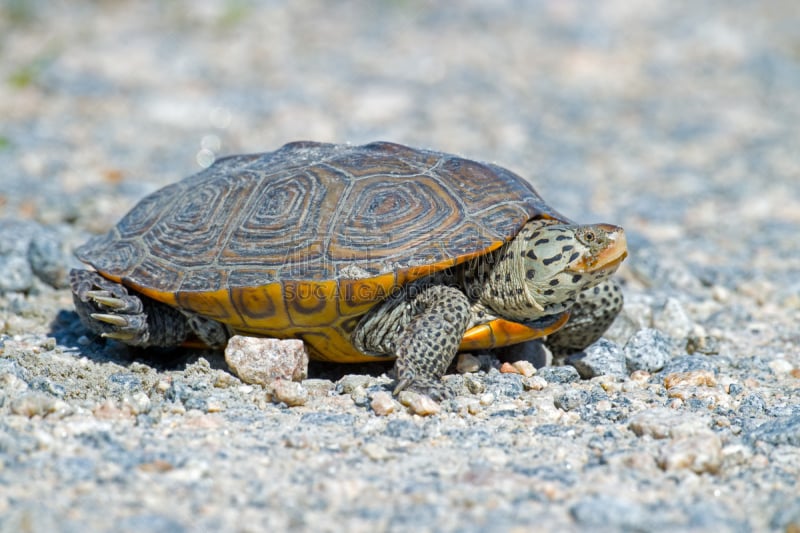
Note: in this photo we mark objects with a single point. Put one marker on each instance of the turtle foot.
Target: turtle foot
(106, 308)
(431, 387)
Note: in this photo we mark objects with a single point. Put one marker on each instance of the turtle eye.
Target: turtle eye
(589, 236)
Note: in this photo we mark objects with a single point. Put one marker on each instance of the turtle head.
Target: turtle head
(561, 260)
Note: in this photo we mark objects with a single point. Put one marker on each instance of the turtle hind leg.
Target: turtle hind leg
(423, 329)
(591, 315)
(107, 309)
(210, 332)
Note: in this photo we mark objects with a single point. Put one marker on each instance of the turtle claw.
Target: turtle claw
(402, 384)
(433, 388)
(107, 300)
(119, 335)
(114, 320)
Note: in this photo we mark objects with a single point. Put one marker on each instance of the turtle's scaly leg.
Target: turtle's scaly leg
(594, 311)
(423, 329)
(106, 309)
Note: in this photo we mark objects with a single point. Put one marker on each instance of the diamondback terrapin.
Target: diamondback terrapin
(363, 252)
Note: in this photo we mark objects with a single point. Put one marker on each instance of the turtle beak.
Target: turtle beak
(609, 257)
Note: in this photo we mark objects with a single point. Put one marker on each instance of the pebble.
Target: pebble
(696, 378)
(508, 368)
(535, 383)
(689, 363)
(559, 374)
(673, 320)
(700, 342)
(785, 430)
(48, 259)
(318, 387)
(649, 349)
(752, 405)
(259, 361)
(382, 403)
(347, 384)
(662, 423)
(137, 403)
(601, 358)
(419, 404)
(289, 392)
(699, 453)
(467, 363)
(571, 399)
(32, 404)
(376, 452)
(11, 384)
(524, 367)
(474, 384)
(534, 352)
(507, 385)
(611, 513)
(780, 366)
(27, 250)
(16, 274)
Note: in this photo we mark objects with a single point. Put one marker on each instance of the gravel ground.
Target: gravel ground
(677, 120)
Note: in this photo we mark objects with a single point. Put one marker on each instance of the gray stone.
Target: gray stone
(673, 320)
(779, 431)
(559, 374)
(610, 513)
(649, 349)
(15, 273)
(603, 358)
(572, 399)
(689, 363)
(500, 384)
(48, 259)
(752, 405)
(662, 423)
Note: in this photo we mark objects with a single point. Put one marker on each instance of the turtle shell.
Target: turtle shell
(302, 241)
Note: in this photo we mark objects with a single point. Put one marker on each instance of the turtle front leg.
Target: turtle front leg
(591, 315)
(423, 329)
(106, 309)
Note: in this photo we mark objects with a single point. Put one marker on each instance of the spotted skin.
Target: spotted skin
(590, 316)
(423, 325)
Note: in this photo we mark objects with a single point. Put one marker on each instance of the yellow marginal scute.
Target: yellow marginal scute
(333, 345)
(260, 308)
(311, 303)
(357, 296)
(500, 332)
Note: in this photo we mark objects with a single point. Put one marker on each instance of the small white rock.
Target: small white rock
(260, 361)
(289, 392)
(698, 453)
(382, 403)
(376, 452)
(525, 368)
(780, 366)
(486, 399)
(419, 404)
(467, 363)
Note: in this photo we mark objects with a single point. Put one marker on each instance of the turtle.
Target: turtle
(370, 252)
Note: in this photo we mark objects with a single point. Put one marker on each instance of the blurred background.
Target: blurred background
(675, 119)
